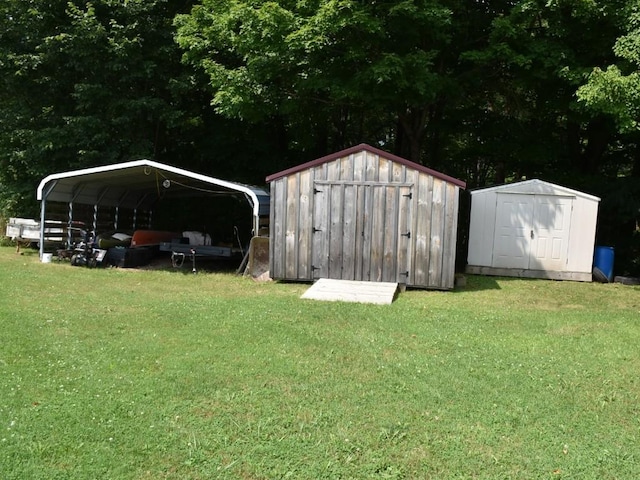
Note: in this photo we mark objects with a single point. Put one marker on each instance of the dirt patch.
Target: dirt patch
(163, 261)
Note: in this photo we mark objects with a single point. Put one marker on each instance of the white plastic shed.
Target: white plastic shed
(532, 229)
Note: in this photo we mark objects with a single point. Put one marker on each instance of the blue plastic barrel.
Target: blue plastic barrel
(603, 261)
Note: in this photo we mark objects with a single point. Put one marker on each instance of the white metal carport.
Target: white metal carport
(139, 184)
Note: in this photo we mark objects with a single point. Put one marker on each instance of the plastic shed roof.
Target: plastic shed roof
(140, 184)
(534, 186)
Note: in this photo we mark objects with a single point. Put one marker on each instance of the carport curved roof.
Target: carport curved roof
(140, 184)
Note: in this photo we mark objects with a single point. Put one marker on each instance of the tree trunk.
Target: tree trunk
(635, 169)
(573, 144)
(598, 135)
(433, 132)
(413, 122)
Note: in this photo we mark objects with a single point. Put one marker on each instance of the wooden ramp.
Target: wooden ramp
(381, 293)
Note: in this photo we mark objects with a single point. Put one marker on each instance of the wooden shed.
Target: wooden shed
(532, 229)
(364, 214)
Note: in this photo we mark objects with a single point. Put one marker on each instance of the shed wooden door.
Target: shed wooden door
(532, 231)
(361, 231)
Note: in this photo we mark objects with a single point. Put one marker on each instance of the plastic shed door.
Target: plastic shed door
(532, 231)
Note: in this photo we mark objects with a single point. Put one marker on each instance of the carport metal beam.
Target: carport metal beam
(46, 193)
(49, 184)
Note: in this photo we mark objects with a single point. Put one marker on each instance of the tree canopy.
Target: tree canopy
(615, 89)
(486, 90)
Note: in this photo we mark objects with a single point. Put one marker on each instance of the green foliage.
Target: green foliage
(315, 62)
(89, 84)
(159, 374)
(539, 53)
(615, 94)
(616, 90)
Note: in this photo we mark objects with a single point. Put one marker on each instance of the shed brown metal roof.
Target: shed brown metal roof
(368, 148)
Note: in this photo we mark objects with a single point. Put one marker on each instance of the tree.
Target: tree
(87, 83)
(538, 55)
(615, 90)
(344, 71)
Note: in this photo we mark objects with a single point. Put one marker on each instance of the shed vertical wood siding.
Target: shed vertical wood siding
(364, 216)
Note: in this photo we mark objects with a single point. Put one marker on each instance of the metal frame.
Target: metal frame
(131, 184)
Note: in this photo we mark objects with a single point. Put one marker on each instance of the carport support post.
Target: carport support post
(95, 210)
(76, 192)
(135, 211)
(70, 225)
(43, 205)
(42, 210)
(255, 206)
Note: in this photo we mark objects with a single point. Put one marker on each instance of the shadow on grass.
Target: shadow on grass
(187, 265)
(476, 283)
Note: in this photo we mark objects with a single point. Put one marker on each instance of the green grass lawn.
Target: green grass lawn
(129, 374)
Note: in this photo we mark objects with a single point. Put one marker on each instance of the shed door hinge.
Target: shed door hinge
(408, 234)
(409, 195)
(315, 190)
(314, 230)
